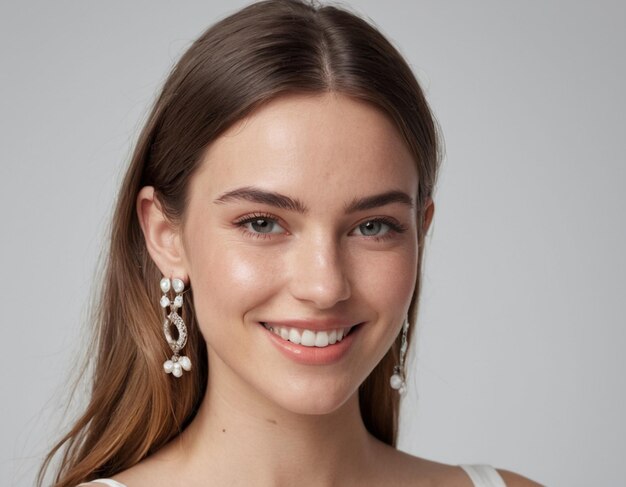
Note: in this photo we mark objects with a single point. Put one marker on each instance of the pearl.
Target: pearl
(177, 371)
(165, 285)
(168, 366)
(402, 390)
(179, 285)
(165, 301)
(178, 301)
(185, 362)
(396, 381)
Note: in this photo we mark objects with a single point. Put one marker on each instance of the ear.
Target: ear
(163, 239)
(429, 212)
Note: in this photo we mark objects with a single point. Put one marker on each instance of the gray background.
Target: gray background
(520, 361)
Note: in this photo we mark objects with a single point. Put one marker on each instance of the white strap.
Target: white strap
(109, 482)
(483, 475)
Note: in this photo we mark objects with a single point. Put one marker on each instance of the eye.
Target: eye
(260, 225)
(372, 228)
(379, 228)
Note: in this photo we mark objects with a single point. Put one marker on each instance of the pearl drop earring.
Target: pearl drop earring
(176, 364)
(397, 380)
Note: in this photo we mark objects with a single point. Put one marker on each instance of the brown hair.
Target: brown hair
(269, 48)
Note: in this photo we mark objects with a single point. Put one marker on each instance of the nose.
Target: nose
(319, 274)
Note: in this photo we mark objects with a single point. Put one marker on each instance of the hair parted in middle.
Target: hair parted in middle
(261, 52)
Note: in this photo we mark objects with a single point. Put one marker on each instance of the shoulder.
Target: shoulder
(407, 470)
(402, 469)
(512, 479)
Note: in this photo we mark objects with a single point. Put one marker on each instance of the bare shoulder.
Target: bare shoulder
(409, 470)
(512, 479)
(403, 469)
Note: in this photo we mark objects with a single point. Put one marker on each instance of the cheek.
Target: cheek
(228, 280)
(386, 279)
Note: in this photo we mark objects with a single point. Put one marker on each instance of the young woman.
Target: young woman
(264, 270)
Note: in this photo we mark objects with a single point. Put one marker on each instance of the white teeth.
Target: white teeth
(332, 337)
(294, 336)
(309, 338)
(321, 339)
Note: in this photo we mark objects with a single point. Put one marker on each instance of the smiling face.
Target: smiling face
(302, 216)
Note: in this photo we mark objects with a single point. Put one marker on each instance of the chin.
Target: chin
(313, 397)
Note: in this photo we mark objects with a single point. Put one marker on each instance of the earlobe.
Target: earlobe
(161, 236)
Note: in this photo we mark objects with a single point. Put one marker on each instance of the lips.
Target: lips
(315, 353)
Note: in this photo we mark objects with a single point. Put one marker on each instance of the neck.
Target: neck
(237, 429)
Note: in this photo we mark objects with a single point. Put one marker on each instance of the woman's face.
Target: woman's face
(302, 217)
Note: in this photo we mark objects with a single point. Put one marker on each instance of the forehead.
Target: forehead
(320, 146)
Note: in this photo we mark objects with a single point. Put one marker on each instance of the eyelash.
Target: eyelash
(395, 227)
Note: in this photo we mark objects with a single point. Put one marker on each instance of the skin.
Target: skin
(266, 420)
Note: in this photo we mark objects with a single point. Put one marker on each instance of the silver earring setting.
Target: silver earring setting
(176, 364)
(397, 380)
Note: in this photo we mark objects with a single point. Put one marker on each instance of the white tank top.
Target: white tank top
(481, 475)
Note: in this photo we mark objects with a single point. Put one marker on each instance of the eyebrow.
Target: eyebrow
(277, 200)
